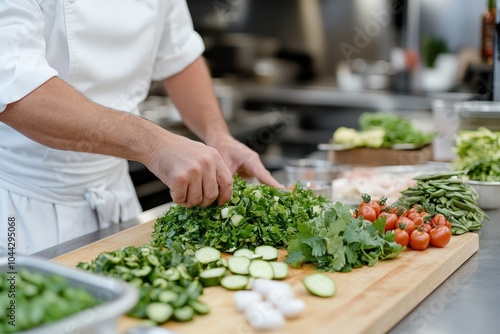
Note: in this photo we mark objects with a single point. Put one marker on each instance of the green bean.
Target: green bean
(457, 223)
(412, 199)
(455, 181)
(475, 227)
(438, 176)
(458, 231)
(455, 194)
(463, 205)
(450, 188)
(411, 192)
(438, 193)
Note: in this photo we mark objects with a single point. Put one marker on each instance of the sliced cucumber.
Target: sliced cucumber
(268, 253)
(207, 254)
(320, 285)
(235, 282)
(256, 257)
(198, 306)
(171, 274)
(238, 265)
(159, 312)
(183, 314)
(181, 301)
(261, 269)
(168, 296)
(244, 252)
(223, 262)
(212, 277)
(160, 282)
(280, 269)
(144, 271)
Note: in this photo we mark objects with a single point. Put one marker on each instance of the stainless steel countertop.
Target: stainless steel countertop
(76, 243)
(467, 302)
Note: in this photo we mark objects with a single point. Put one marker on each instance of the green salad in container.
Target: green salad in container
(382, 130)
(478, 154)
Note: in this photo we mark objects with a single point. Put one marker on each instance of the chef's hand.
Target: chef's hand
(242, 160)
(195, 173)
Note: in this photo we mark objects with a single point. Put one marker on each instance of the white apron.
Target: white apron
(109, 50)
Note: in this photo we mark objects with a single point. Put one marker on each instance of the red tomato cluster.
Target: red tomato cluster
(412, 227)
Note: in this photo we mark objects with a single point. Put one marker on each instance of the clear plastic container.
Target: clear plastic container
(446, 124)
(311, 170)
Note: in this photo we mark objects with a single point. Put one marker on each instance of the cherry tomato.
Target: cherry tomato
(418, 220)
(401, 237)
(440, 236)
(419, 239)
(411, 210)
(367, 201)
(417, 208)
(368, 213)
(425, 216)
(427, 227)
(398, 210)
(412, 215)
(440, 219)
(390, 220)
(409, 224)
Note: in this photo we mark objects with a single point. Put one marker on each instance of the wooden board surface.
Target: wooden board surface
(368, 299)
(363, 156)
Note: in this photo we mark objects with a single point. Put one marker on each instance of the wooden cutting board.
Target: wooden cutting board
(363, 156)
(368, 299)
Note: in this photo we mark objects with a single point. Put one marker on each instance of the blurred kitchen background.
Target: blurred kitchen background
(288, 73)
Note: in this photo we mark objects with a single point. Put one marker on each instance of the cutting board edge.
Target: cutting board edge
(474, 247)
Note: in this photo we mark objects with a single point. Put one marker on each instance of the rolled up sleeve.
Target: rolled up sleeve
(180, 44)
(23, 65)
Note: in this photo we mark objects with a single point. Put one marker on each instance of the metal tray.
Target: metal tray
(119, 297)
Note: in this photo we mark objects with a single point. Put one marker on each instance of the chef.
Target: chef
(72, 73)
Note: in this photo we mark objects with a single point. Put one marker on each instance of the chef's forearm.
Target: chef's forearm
(192, 93)
(58, 116)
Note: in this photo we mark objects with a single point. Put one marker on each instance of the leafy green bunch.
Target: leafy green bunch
(398, 130)
(336, 241)
(478, 154)
(256, 215)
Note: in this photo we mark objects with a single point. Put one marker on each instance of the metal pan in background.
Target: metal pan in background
(118, 298)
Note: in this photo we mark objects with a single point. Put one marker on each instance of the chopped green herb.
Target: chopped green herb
(256, 215)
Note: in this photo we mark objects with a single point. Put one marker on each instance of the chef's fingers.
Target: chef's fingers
(225, 183)
(254, 167)
(195, 189)
(178, 192)
(210, 187)
(266, 178)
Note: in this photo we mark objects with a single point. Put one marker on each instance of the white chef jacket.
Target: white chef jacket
(109, 50)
